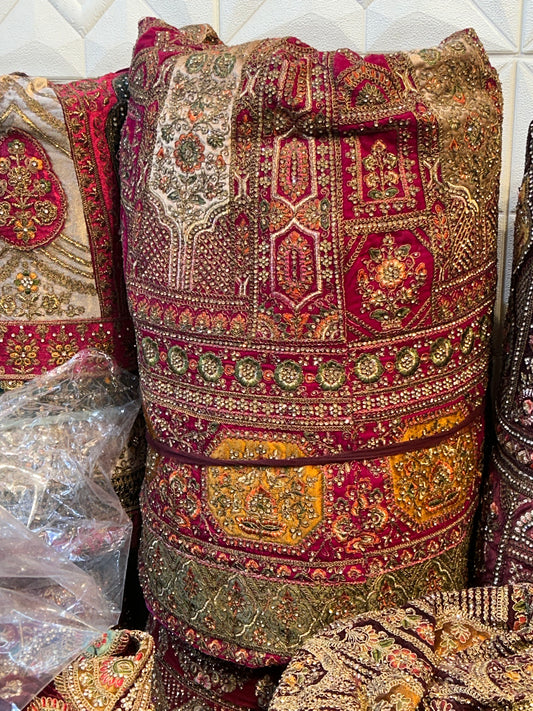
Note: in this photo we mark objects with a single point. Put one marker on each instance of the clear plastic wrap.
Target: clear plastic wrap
(64, 537)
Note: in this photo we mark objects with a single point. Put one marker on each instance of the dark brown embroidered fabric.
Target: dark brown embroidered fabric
(505, 541)
(455, 651)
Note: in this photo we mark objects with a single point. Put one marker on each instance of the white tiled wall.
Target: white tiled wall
(75, 38)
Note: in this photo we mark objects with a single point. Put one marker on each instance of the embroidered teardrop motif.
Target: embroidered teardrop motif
(32, 200)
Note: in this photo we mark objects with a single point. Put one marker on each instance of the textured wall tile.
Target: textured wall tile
(83, 16)
(326, 24)
(36, 39)
(185, 12)
(522, 116)
(6, 7)
(407, 25)
(527, 28)
(110, 42)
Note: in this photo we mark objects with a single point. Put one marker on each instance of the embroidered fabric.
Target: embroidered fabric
(310, 244)
(504, 537)
(113, 674)
(187, 680)
(60, 259)
(451, 651)
(62, 284)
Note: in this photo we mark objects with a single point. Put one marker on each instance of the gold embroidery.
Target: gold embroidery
(216, 601)
(435, 483)
(106, 681)
(283, 504)
(391, 282)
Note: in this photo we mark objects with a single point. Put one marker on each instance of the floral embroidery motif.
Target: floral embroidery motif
(190, 171)
(384, 173)
(331, 375)
(467, 341)
(248, 372)
(100, 680)
(289, 375)
(407, 361)
(391, 282)
(441, 351)
(150, 350)
(435, 482)
(381, 178)
(32, 201)
(61, 349)
(27, 282)
(365, 84)
(60, 271)
(26, 301)
(362, 524)
(282, 504)
(210, 367)
(22, 353)
(451, 651)
(189, 153)
(177, 359)
(368, 368)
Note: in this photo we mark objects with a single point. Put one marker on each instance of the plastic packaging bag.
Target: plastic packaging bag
(64, 537)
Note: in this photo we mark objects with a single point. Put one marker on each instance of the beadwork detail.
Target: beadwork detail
(114, 673)
(61, 277)
(279, 504)
(449, 651)
(505, 535)
(178, 361)
(310, 249)
(60, 268)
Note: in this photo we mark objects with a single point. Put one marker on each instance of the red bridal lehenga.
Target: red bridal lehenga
(310, 246)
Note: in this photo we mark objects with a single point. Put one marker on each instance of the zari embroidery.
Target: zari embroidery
(186, 679)
(33, 203)
(61, 277)
(60, 264)
(310, 247)
(446, 652)
(505, 550)
(116, 673)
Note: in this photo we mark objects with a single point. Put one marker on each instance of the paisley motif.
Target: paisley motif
(449, 651)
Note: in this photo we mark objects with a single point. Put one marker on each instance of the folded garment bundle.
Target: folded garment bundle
(310, 247)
